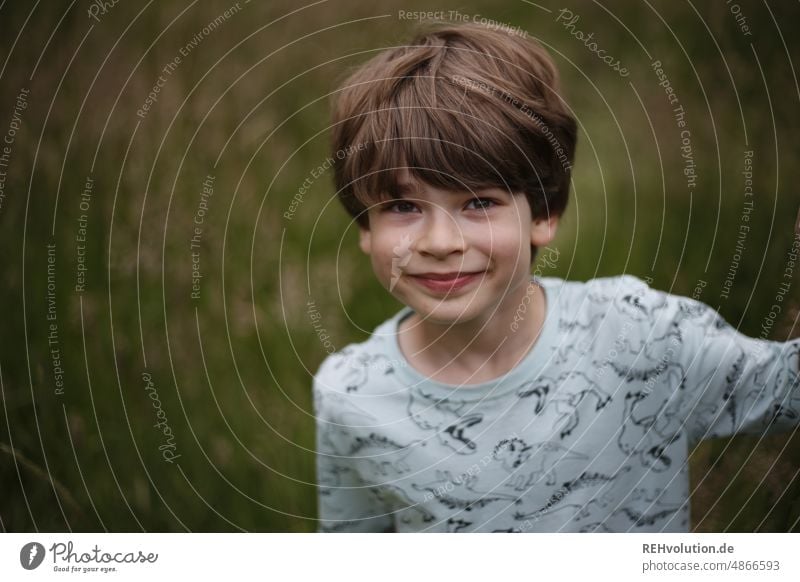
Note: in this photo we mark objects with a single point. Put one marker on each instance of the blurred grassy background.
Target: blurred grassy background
(248, 104)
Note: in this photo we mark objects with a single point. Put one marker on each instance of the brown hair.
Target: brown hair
(461, 107)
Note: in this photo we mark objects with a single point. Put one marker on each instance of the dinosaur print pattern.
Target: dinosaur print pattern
(358, 366)
(446, 419)
(586, 480)
(383, 455)
(564, 396)
(543, 458)
(590, 432)
(455, 493)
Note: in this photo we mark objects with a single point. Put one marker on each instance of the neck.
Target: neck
(478, 350)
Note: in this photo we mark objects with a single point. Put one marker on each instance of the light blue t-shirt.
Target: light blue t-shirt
(590, 432)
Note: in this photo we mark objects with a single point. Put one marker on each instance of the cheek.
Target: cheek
(505, 242)
(388, 247)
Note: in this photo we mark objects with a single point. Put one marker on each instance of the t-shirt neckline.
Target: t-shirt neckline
(526, 369)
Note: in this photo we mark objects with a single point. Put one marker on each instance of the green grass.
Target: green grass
(237, 397)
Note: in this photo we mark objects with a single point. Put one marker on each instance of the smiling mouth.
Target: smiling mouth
(446, 276)
(443, 282)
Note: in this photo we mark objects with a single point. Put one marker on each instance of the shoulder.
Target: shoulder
(624, 295)
(625, 303)
(347, 370)
(606, 286)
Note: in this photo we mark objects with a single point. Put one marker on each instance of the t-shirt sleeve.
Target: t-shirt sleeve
(733, 383)
(346, 502)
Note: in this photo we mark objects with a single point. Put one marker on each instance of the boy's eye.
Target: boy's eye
(481, 203)
(404, 206)
(401, 206)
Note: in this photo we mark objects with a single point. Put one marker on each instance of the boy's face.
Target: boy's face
(454, 256)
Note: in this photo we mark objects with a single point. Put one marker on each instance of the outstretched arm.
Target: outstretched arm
(736, 384)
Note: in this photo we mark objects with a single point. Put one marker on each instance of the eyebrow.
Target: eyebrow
(411, 189)
(406, 188)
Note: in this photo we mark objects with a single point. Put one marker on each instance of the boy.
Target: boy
(498, 401)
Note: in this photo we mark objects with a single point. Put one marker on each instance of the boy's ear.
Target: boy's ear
(543, 230)
(365, 240)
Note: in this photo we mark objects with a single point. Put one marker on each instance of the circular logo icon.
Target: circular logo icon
(31, 555)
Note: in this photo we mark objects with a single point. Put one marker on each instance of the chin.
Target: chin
(448, 311)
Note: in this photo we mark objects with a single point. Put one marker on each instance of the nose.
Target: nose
(441, 235)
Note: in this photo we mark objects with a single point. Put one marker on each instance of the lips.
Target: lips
(446, 276)
(446, 282)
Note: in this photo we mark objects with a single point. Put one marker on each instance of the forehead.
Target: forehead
(407, 184)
